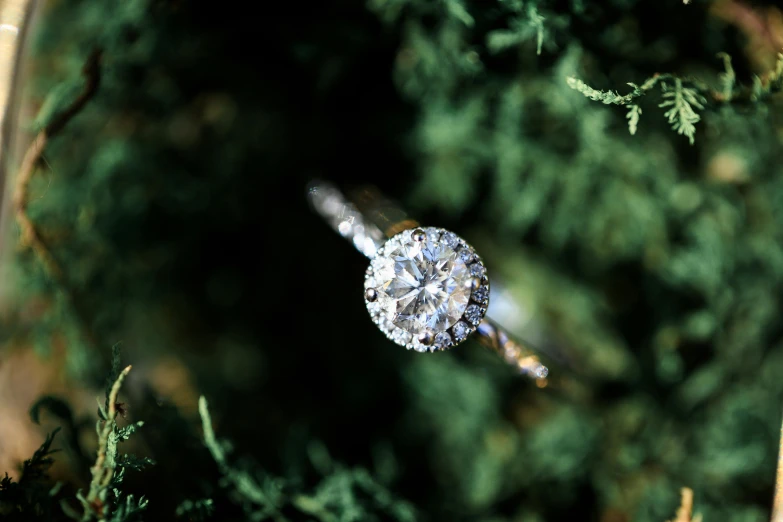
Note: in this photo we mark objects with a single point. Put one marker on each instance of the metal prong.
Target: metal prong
(371, 294)
(474, 283)
(426, 338)
(418, 235)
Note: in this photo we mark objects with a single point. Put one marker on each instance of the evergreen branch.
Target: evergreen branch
(777, 505)
(612, 97)
(246, 487)
(105, 463)
(343, 491)
(30, 237)
(681, 101)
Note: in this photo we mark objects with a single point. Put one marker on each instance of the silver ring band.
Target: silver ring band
(367, 220)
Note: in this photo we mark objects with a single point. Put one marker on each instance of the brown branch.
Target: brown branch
(30, 236)
(777, 505)
(91, 72)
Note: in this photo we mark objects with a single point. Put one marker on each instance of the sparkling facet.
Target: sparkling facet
(422, 286)
(473, 314)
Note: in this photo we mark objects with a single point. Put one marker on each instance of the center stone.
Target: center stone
(424, 286)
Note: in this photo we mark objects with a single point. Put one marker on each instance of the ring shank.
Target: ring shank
(367, 219)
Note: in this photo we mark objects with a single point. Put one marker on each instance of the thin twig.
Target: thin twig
(103, 471)
(777, 505)
(685, 511)
(30, 237)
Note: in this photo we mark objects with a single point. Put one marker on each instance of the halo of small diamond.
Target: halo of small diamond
(471, 315)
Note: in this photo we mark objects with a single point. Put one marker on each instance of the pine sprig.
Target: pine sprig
(682, 97)
(611, 97)
(104, 502)
(681, 101)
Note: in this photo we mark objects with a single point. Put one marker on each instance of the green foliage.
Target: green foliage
(344, 495)
(31, 498)
(198, 510)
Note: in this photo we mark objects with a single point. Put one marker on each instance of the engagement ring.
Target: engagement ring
(426, 288)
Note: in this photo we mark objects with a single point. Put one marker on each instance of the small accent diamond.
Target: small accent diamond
(451, 239)
(461, 331)
(477, 269)
(481, 294)
(473, 314)
(401, 336)
(442, 340)
(466, 254)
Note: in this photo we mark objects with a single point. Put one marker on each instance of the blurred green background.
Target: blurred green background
(175, 204)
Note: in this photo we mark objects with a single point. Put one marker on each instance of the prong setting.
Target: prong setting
(371, 295)
(418, 235)
(426, 338)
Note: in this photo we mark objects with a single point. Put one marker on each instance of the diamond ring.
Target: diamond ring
(426, 288)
